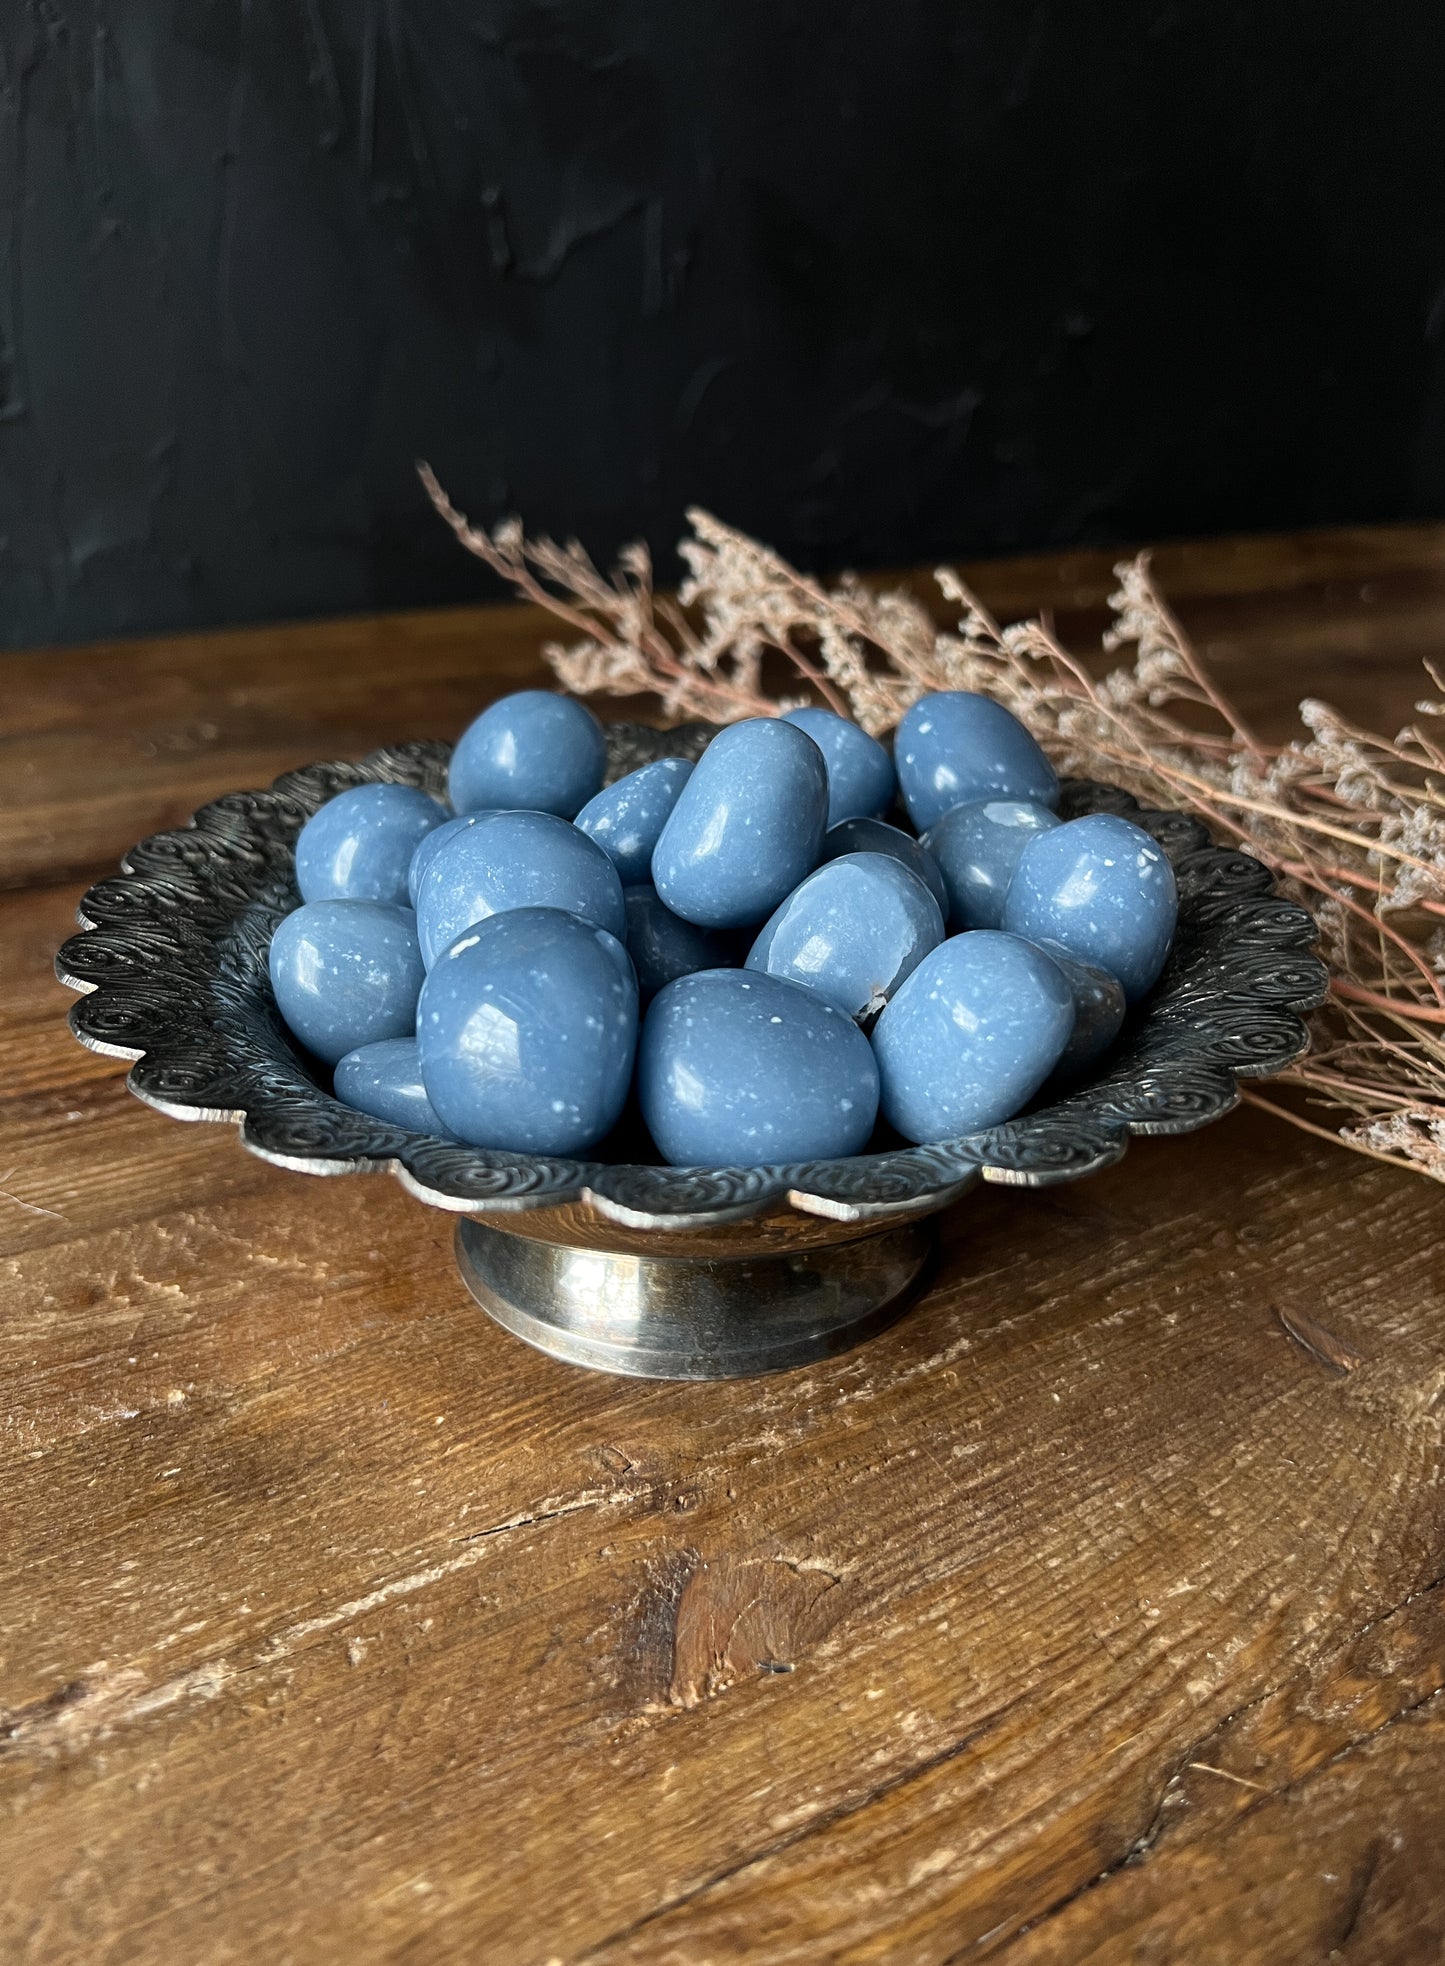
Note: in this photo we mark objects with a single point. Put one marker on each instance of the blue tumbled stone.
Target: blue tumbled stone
(971, 1036)
(860, 772)
(385, 1080)
(877, 836)
(527, 1028)
(748, 826)
(515, 860)
(737, 1069)
(346, 973)
(428, 849)
(1098, 1012)
(852, 931)
(977, 848)
(955, 748)
(359, 845)
(535, 751)
(663, 946)
(626, 819)
(1104, 890)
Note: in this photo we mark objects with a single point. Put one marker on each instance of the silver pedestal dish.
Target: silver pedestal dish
(617, 1263)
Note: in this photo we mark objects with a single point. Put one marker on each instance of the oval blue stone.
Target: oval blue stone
(663, 946)
(527, 1028)
(1104, 890)
(428, 849)
(359, 845)
(971, 1036)
(955, 748)
(534, 751)
(877, 836)
(1098, 1013)
(737, 1069)
(385, 1080)
(852, 931)
(977, 848)
(748, 826)
(515, 860)
(346, 973)
(860, 772)
(626, 819)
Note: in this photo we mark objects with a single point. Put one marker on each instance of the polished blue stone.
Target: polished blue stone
(515, 860)
(663, 946)
(346, 973)
(359, 845)
(385, 1080)
(851, 931)
(527, 1028)
(626, 819)
(977, 848)
(860, 772)
(428, 849)
(535, 752)
(1098, 1013)
(877, 836)
(971, 1036)
(737, 1069)
(748, 826)
(1105, 890)
(954, 748)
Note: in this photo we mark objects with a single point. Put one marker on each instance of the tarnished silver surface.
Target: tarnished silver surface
(172, 961)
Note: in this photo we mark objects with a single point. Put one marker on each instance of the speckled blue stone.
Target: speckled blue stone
(626, 819)
(428, 849)
(877, 836)
(971, 1036)
(515, 860)
(736, 1069)
(852, 931)
(860, 772)
(1104, 890)
(748, 826)
(346, 973)
(1098, 1013)
(359, 845)
(977, 848)
(663, 946)
(385, 1080)
(527, 1030)
(955, 748)
(534, 751)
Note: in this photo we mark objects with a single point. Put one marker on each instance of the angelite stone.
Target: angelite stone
(1102, 888)
(956, 748)
(748, 826)
(359, 845)
(977, 848)
(428, 848)
(860, 772)
(385, 1080)
(1098, 1012)
(527, 1029)
(852, 931)
(626, 819)
(971, 1036)
(663, 946)
(346, 973)
(534, 751)
(515, 860)
(877, 836)
(737, 1069)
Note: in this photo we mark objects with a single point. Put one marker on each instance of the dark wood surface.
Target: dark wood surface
(1086, 1615)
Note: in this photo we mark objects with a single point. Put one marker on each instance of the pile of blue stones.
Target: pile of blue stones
(745, 947)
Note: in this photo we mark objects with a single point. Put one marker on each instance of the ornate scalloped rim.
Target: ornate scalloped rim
(172, 969)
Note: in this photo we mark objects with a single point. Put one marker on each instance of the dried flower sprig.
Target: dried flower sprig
(1353, 823)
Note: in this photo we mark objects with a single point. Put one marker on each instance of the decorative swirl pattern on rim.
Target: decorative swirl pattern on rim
(172, 961)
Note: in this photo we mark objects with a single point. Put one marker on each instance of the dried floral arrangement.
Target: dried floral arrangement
(1352, 823)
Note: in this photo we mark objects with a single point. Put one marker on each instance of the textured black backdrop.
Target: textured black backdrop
(877, 281)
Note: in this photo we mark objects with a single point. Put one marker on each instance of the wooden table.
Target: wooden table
(1085, 1615)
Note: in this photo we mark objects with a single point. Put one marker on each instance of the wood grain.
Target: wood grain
(1095, 1612)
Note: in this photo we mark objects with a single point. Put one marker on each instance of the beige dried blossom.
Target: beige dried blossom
(1352, 823)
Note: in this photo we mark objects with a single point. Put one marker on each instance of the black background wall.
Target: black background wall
(878, 282)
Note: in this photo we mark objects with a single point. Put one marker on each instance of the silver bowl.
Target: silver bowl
(623, 1265)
